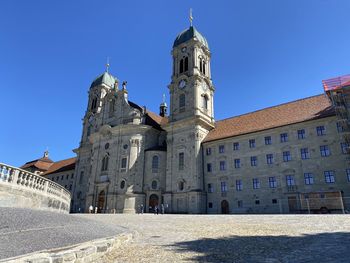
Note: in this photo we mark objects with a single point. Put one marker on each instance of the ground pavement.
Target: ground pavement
(232, 238)
(23, 231)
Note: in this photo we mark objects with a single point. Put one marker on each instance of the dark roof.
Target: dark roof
(61, 166)
(104, 78)
(306, 109)
(188, 34)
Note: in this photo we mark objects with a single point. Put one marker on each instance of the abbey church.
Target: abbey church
(267, 161)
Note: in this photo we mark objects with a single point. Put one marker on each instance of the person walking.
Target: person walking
(162, 209)
(91, 208)
(141, 208)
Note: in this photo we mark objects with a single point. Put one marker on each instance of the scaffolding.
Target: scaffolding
(338, 91)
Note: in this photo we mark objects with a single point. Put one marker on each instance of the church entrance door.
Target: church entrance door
(153, 201)
(101, 201)
(224, 207)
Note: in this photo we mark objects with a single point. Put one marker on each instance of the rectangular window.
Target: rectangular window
(208, 151)
(209, 167)
(181, 161)
(274, 201)
(269, 158)
(256, 183)
(348, 174)
(72, 176)
(124, 164)
(240, 203)
(329, 177)
(272, 182)
(222, 165)
(320, 130)
(239, 185)
(253, 161)
(237, 163)
(62, 177)
(284, 137)
(308, 178)
(67, 176)
(324, 149)
(252, 143)
(340, 127)
(223, 187)
(221, 148)
(235, 146)
(290, 180)
(210, 188)
(304, 152)
(257, 202)
(210, 205)
(286, 156)
(344, 147)
(301, 134)
(268, 140)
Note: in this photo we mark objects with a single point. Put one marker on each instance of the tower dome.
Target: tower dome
(188, 34)
(104, 78)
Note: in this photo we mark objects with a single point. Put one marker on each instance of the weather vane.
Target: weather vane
(191, 17)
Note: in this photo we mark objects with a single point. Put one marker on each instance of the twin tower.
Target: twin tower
(130, 158)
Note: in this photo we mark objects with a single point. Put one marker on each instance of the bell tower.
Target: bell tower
(191, 118)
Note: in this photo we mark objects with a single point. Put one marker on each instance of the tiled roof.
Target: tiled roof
(41, 164)
(61, 166)
(157, 118)
(311, 108)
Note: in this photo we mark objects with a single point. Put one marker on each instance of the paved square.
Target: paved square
(232, 238)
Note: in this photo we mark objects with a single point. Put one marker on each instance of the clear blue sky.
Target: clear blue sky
(263, 53)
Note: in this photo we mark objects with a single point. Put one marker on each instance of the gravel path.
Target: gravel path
(232, 238)
(23, 231)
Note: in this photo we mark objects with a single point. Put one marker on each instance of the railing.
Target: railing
(59, 197)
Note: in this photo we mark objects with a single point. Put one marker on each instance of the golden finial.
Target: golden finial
(191, 17)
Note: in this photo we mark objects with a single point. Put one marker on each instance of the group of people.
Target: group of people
(156, 209)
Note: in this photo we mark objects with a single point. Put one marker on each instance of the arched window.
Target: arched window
(182, 101)
(205, 101)
(122, 184)
(200, 65)
(181, 185)
(155, 164)
(186, 64)
(111, 107)
(88, 132)
(154, 185)
(204, 65)
(181, 65)
(105, 163)
(94, 103)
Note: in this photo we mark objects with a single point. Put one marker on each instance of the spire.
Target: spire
(191, 17)
(107, 65)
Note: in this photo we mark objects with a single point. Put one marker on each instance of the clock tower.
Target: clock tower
(191, 118)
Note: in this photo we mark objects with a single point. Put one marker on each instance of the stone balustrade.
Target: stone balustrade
(20, 188)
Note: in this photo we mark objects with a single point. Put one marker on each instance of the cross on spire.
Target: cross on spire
(191, 17)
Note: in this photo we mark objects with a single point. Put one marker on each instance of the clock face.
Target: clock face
(184, 49)
(204, 86)
(182, 84)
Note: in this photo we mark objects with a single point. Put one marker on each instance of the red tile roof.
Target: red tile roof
(311, 108)
(61, 166)
(41, 164)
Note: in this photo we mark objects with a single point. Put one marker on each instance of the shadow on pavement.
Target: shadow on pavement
(321, 247)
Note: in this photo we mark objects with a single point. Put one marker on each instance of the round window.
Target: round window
(122, 184)
(154, 184)
(106, 145)
(125, 146)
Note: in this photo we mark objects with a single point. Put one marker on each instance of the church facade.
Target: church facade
(260, 162)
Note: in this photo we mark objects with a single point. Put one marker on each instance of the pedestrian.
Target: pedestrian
(91, 208)
(162, 209)
(157, 209)
(141, 208)
(96, 210)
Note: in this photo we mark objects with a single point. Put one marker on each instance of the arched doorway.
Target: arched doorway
(101, 201)
(153, 201)
(224, 207)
